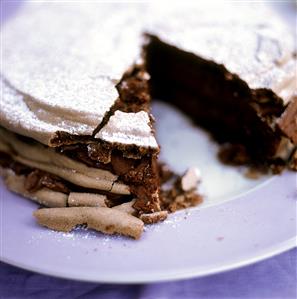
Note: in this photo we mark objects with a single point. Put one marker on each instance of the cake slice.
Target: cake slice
(118, 160)
(76, 127)
(59, 168)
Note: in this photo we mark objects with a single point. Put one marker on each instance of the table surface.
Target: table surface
(274, 278)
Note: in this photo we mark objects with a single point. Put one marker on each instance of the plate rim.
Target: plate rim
(179, 275)
(165, 275)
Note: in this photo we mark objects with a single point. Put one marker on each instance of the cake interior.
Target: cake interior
(216, 100)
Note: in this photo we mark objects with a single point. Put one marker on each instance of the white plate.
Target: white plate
(241, 221)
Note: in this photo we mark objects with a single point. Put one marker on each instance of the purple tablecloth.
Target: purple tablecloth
(275, 278)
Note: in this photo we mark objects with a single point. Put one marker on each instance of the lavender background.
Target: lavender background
(273, 278)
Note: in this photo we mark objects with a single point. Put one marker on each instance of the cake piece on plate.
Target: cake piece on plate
(76, 127)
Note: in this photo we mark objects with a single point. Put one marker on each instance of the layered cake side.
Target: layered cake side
(113, 172)
(124, 151)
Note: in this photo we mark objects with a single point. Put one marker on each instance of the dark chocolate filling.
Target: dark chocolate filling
(215, 99)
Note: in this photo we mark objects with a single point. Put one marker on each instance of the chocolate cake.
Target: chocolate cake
(76, 92)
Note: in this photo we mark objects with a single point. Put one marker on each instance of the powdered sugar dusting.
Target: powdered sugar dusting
(129, 128)
(67, 65)
(16, 114)
(63, 60)
(248, 39)
(77, 237)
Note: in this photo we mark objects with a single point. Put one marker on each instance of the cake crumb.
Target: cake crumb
(165, 173)
(153, 217)
(190, 179)
(183, 192)
(233, 154)
(253, 174)
(293, 161)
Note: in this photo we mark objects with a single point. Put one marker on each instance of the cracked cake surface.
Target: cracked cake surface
(64, 75)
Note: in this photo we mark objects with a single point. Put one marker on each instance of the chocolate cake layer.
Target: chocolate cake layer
(218, 100)
(45, 167)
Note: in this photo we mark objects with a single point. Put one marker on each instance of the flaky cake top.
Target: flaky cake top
(62, 61)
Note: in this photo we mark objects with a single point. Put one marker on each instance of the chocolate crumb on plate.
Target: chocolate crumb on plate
(183, 193)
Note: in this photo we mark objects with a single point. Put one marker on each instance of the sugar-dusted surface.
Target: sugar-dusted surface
(66, 58)
(129, 128)
(247, 38)
(68, 65)
(15, 115)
